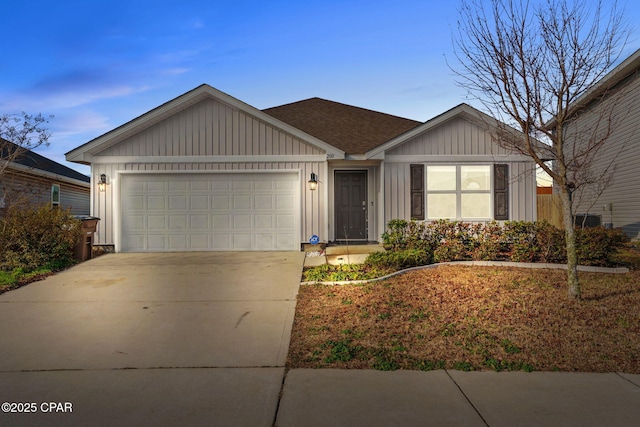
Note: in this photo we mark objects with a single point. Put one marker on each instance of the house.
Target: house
(206, 171)
(613, 200)
(30, 177)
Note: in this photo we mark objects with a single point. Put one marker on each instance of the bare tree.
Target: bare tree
(530, 63)
(19, 133)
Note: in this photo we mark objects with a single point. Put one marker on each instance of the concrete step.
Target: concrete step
(353, 249)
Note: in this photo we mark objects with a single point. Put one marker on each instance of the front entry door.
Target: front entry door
(351, 205)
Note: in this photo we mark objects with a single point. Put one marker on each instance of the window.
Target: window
(459, 192)
(55, 195)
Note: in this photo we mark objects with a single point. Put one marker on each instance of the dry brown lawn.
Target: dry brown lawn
(471, 318)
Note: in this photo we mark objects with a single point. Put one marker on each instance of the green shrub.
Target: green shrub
(550, 242)
(519, 241)
(395, 236)
(595, 246)
(398, 260)
(32, 237)
(488, 242)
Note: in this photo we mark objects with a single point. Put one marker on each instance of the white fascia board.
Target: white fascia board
(469, 158)
(207, 159)
(186, 100)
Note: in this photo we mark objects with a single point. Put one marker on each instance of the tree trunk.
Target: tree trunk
(570, 237)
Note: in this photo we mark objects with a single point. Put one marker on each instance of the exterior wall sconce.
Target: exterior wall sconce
(102, 184)
(313, 182)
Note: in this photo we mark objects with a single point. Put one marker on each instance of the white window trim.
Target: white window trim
(53, 191)
(459, 192)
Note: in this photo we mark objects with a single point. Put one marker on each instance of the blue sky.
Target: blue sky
(96, 64)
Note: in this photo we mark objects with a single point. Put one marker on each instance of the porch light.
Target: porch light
(313, 182)
(102, 184)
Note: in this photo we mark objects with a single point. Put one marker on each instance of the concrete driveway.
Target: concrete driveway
(162, 339)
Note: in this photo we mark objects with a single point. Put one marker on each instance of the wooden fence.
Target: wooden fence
(550, 209)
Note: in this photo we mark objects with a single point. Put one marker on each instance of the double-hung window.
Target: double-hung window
(459, 192)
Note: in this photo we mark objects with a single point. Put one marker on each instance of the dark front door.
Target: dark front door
(351, 205)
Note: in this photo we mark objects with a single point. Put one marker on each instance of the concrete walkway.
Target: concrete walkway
(328, 397)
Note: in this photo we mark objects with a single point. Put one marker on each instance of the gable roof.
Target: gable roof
(623, 70)
(461, 110)
(83, 154)
(353, 130)
(28, 159)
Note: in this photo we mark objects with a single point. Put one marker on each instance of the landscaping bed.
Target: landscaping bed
(471, 318)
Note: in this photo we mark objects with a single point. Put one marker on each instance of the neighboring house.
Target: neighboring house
(32, 178)
(614, 201)
(206, 171)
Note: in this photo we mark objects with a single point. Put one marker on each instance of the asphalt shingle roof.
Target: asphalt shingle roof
(34, 160)
(353, 130)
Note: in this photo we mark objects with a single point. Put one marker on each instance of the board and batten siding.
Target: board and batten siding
(455, 137)
(210, 136)
(210, 128)
(456, 142)
(618, 204)
(312, 208)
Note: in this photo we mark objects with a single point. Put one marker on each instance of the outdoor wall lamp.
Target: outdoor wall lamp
(102, 184)
(313, 182)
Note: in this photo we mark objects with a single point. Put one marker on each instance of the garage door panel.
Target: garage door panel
(199, 242)
(220, 202)
(178, 242)
(209, 211)
(221, 241)
(285, 202)
(179, 186)
(264, 222)
(199, 222)
(241, 240)
(199, 203)
(221, 222)
(156, 222)
(157, 242)
(285, 240)
(242, 185)
(264, 186)
(133, 222)
(264, 241)
(242, 221)
(263, 202)
(242, 202)
(155, 186)
(156, 203)
(177, 202)
(177, 222)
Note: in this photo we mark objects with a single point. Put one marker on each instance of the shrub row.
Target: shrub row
(411, 243)
(33, 237)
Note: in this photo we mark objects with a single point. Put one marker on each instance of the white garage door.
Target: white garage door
(212, 211)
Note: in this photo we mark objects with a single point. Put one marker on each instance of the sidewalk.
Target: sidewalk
(331, 397)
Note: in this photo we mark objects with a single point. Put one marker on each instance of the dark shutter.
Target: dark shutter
(417, 192)
(501, 192)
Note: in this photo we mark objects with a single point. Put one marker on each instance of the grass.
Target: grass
(471, 318)
(14, 279)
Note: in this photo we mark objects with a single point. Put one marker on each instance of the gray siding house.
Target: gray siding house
(614, 199)
(206, 171)
(32, 178)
